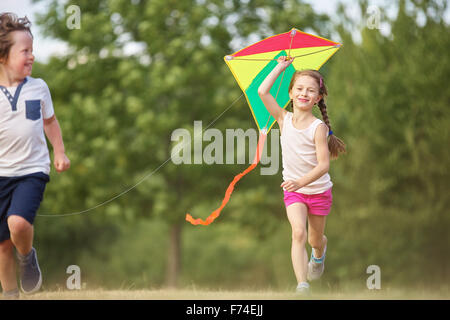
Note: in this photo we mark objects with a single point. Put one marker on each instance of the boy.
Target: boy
(26, 113)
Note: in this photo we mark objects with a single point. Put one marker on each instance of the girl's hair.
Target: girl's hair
(335, 145)
(9, 22)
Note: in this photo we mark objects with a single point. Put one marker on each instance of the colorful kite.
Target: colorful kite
(251, 65)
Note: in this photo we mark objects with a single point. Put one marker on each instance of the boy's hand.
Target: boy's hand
(284, 61)
(61, 162)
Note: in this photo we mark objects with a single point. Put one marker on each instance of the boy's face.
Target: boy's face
(20, 60)
(305, 92)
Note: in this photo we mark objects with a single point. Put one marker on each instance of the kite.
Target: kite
(251, 65)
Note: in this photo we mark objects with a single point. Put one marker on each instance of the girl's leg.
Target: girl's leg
(316, 238)
(297, 214)
(7, 266)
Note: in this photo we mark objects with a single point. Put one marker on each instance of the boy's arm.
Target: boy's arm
(264, 91)
(54, 135)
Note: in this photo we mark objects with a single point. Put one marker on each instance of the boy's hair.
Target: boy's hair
(335, 145)
(10, 22)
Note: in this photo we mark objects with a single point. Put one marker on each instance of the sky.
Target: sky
(45, 47)
(42, 47)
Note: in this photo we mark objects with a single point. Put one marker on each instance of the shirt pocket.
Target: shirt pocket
(33, 109)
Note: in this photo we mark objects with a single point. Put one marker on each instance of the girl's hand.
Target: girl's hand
(284, 61)
(61, 162)
(291, 185)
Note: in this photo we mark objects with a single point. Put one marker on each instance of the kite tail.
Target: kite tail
(216, 213)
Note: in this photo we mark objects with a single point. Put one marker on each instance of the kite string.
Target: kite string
(165, 162)
(142, 179)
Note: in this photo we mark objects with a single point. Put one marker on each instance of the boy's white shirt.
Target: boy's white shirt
(23, 147)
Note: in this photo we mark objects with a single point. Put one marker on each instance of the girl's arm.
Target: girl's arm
(53, 133)
(323, 162)
(264, 91)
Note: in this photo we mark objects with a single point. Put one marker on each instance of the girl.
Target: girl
(27, 112)
(306, 156)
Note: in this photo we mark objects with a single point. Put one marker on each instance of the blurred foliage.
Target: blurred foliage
(137, 70)
(390, 103)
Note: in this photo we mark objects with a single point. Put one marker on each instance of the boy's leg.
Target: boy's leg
(22, 237)
(20, 199)
(8, 278)
(21, 233)
(7, 266)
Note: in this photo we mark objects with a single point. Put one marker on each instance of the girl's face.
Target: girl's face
(20, 60)
(305, 93)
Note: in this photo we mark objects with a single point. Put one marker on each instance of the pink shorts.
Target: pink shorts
(318, 204)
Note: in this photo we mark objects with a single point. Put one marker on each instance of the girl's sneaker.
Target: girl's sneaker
(11, 295)
(303, 289)
(316, 266)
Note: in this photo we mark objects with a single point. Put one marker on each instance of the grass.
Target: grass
(193, 294)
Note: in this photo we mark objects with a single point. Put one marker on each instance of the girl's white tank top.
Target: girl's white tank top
(299, 155)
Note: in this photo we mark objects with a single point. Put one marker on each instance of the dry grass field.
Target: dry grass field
(193, 294)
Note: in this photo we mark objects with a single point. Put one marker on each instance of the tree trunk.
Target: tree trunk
(174, 257)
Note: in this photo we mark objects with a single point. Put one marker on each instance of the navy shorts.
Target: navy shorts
(20, 196)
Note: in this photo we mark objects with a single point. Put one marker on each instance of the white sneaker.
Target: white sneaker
(11, 294)
(303, 289)
(316, 266)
